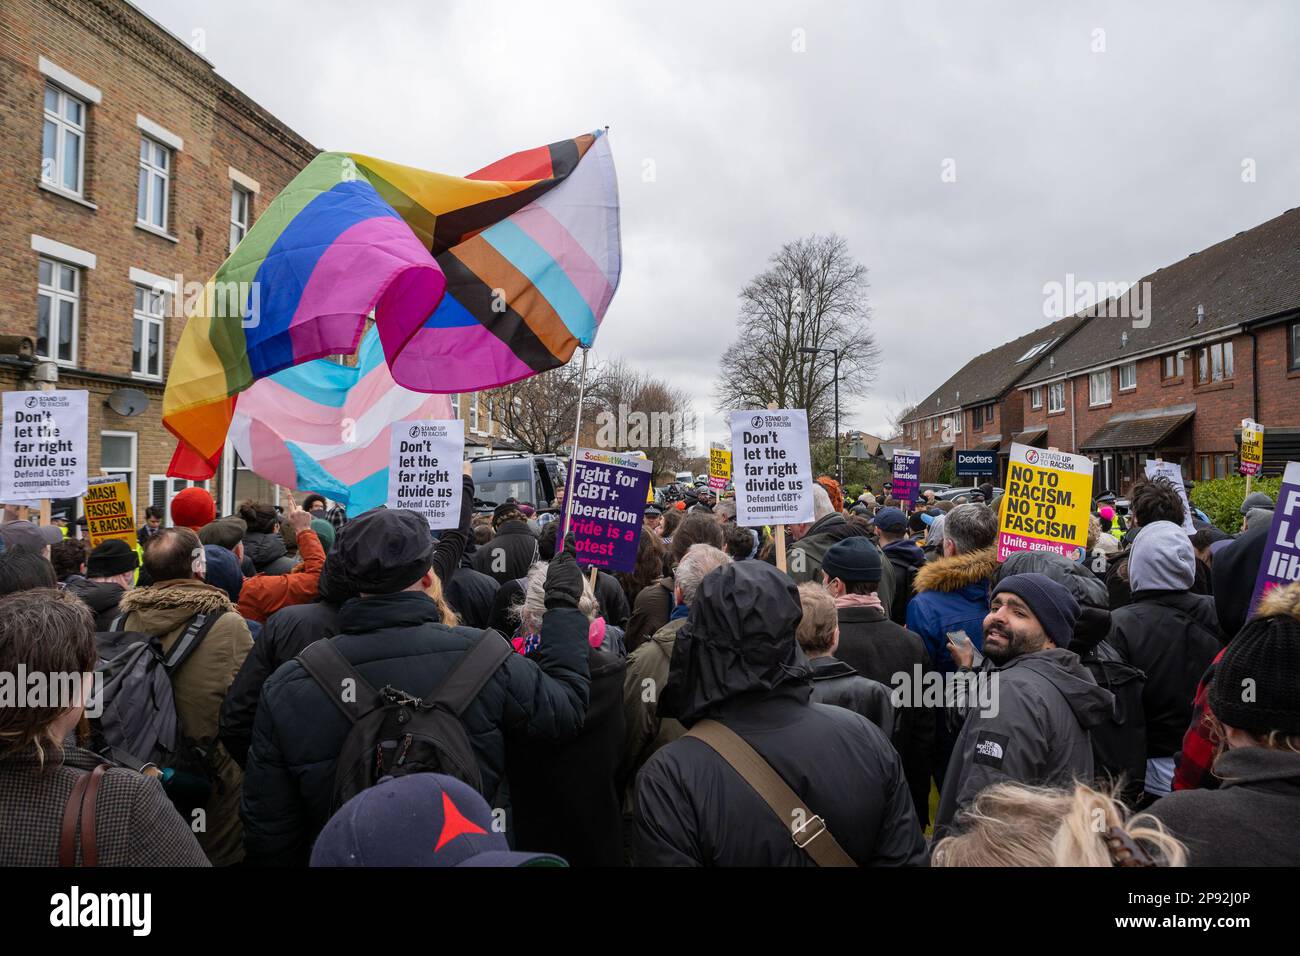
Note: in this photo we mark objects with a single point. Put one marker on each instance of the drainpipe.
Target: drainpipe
(1254, 377)
(1074, 441)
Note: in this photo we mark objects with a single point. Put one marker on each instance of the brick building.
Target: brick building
(979, 408)
(127, 163)
(1220, 342)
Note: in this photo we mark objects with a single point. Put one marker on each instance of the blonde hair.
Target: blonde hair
(1012, 824)
(445, 613)
(816, 631)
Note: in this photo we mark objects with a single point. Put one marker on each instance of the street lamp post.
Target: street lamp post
(835, 356)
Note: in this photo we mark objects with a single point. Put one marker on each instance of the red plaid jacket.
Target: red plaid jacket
(1193, 770)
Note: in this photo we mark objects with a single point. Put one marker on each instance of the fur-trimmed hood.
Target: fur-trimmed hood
(1281, 602)
(957, 572)
(183, 597)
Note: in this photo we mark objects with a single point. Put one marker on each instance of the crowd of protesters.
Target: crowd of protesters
(879, 690)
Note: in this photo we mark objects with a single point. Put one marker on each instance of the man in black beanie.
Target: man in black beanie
(1253, 819)
(393, 635)
(1032, 709)
(110, 572)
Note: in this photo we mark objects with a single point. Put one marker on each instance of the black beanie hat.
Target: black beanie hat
(111, 558)
(1257, 682)
(383, 551)
(1053, 604)
(853, 559)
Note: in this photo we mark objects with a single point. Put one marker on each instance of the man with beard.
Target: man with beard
(1029, 723)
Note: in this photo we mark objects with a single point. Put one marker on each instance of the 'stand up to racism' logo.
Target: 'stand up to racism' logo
(755, 422)
(415, 431)
(1031, 456)
(31, 401)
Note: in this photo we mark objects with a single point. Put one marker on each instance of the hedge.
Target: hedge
(1221, 498)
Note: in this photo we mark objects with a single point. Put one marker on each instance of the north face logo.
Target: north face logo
(989, 748)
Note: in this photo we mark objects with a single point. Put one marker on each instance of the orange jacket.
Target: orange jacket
(265, 594)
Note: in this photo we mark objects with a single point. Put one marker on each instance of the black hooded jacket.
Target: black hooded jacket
(100, 596)
(509, 554)
(736, 661)
(267, 552)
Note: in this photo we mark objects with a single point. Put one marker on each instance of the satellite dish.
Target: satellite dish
(127, 402)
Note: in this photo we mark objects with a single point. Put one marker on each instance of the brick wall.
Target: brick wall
(140, 69)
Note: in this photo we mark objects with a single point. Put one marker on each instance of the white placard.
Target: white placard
(43, 445)
(770, 467)
(425, 468)
(1167, 469)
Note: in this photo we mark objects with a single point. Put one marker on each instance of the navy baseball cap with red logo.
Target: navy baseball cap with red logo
(422, 819)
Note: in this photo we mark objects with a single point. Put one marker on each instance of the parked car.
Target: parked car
(951, 494)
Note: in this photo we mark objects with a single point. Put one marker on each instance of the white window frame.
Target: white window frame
(1095, 382)
(153, 173)
(148, 320)
(473, 413)
(455, 405)
(237, 191)
(135, 461)
(1131, 367)
(64, 128)
(1054, 391)
(956, 422)
(56, 295)
(172, 487)
(1036, 397)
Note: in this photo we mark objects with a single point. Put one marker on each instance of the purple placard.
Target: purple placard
(907, 476)
(1281, 562)
(609, 497)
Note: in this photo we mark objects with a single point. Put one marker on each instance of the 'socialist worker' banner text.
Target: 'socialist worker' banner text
(609, 493)
(774, 478)
(424, 470)
(1046, 505)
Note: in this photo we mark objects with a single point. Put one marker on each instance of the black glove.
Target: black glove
(563, 581)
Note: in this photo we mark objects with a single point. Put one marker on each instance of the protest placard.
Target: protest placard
(109, 511)
(774, 482)
(719, 466)
(1155, 468)
(424, 469)
(907, 476)
(43, 445)
(1046, 502)
(1252, 447)
(1281, 562)
(609, 493)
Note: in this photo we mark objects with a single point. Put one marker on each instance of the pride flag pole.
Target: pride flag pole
(573, 453)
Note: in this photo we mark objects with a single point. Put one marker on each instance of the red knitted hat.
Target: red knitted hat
(193, 508)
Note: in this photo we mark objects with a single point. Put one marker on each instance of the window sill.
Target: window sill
(1100, 405)
(150, 379)
(1293, 373)
(1052, 414)
(72, 366)
(1128, 391)
(70, 196)
(1166, 382)
(154, 231)
(1213, 386)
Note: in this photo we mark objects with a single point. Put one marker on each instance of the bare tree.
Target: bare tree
(637, 412)
(813, 295)
(539, 412)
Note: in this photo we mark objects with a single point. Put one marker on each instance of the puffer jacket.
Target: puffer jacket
(838, 684)
(267, 552)
(737, 661)
(164, 610)
(509, 554)
(565, 795)
(398, 640)
(102, 597)
(952, 594)
(1033, 731)
(267, 593)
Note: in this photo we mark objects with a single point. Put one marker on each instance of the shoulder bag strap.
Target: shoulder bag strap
(474, 669)
(329, 668)
(80, 809)
(813, 837)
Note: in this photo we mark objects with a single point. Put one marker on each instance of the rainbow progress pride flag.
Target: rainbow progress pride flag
(474, 281)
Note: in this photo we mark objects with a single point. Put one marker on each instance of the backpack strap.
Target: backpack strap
(813, 837)
(119, 623)
(80, 811)
(474, 669)
(189, 641)
(329, 668)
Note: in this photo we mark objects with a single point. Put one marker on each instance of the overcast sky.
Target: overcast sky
(1104, 140)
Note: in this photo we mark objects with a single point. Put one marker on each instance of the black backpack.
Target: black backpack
(138, 725)
(1119, 745)
(393, 733)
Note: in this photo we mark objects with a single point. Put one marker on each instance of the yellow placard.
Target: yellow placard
(1252, 448)
(109, 512)
(719, 467)
(1047, 502)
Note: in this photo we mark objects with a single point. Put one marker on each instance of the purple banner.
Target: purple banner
(1281, 563)
(907, 476)
(609, 495)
